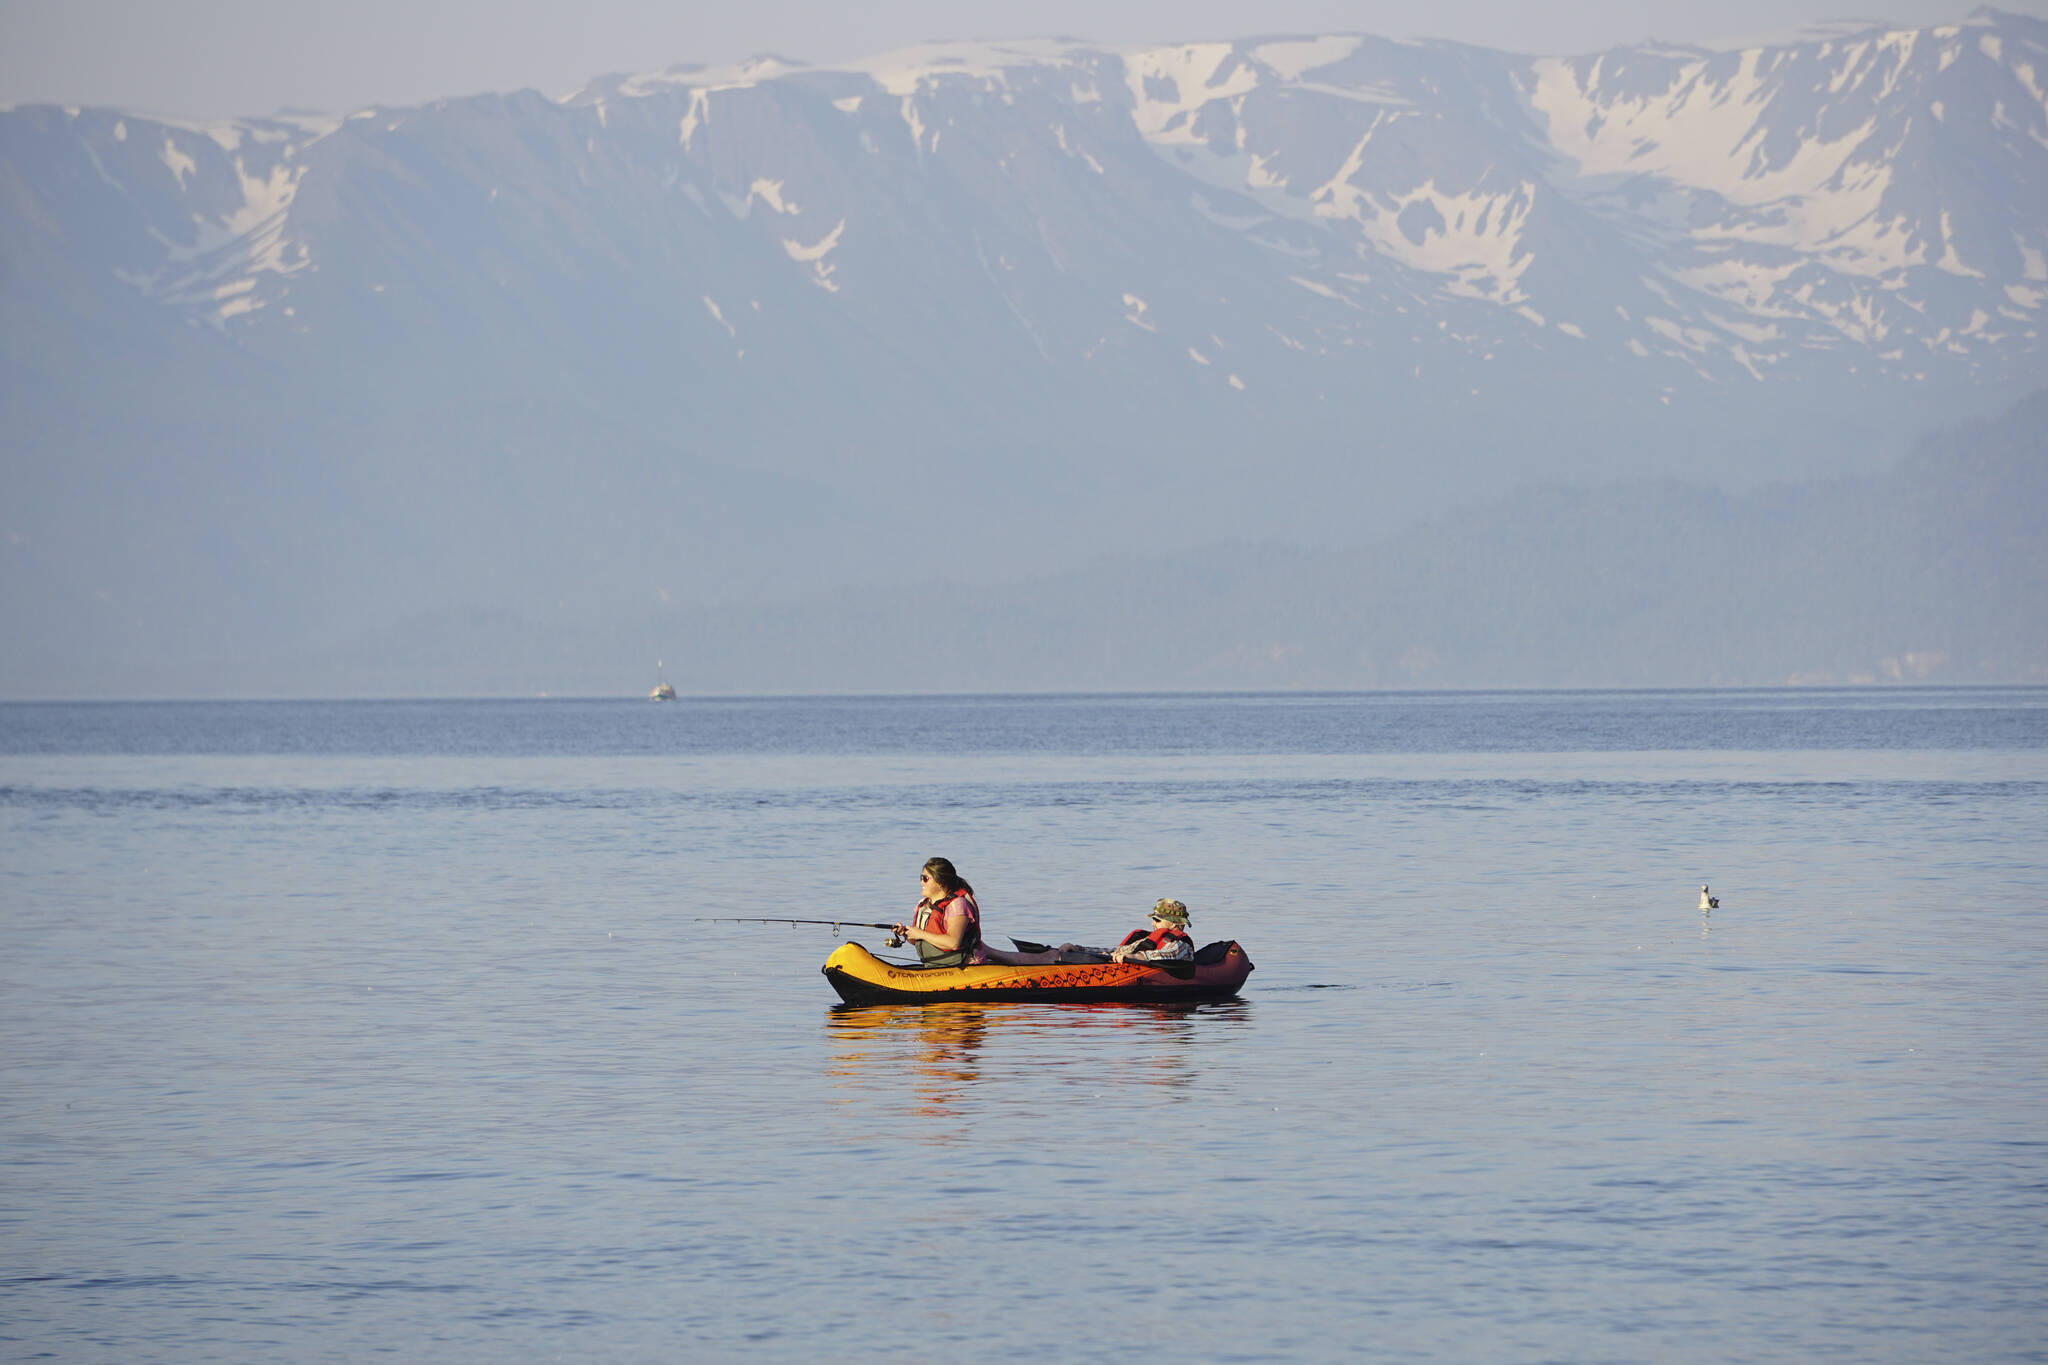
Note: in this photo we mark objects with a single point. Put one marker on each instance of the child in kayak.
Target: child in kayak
(1166, 940)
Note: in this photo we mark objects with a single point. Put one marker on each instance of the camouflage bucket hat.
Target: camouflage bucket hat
(1172, 911)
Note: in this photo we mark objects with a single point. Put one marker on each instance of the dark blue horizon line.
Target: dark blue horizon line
(500, 698)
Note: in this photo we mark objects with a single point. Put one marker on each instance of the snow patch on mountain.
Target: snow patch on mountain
(1169, 86)
(917, 70)
(180, 164)
(1291, 59)
(752, 72)
(814, 254)
(226, 236)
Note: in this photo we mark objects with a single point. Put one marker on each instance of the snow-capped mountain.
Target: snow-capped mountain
(1882, 190)
(762, 323)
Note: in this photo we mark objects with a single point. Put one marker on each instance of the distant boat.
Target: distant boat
(663, 689)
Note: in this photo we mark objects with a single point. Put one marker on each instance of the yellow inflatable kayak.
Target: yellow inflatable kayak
(861, 978)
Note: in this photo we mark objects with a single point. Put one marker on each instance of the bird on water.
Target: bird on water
(1708, 902)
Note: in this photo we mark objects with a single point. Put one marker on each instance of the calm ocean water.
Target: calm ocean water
(343, 1029)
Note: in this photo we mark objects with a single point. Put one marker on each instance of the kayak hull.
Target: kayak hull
(861, 978)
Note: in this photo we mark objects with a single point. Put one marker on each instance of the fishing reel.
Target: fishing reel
(896, 940)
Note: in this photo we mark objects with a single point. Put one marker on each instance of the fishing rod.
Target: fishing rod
(894, 940)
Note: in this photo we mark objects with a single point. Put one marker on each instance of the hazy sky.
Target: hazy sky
(222, 57)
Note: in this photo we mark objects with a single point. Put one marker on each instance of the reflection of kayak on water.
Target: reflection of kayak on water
(861, 978)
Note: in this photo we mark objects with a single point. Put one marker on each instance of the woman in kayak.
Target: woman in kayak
(1165, 940)
(946, 926)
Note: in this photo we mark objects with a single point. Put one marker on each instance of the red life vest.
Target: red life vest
(1158, 936)
(931, 915)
